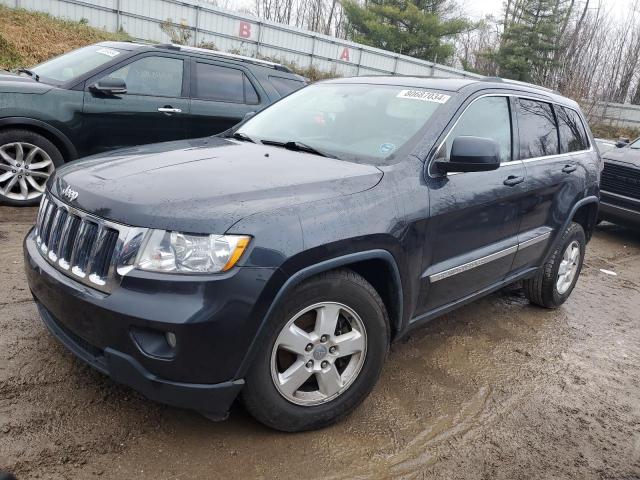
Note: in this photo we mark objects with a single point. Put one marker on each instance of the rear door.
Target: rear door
(551, 140)
(221, 95)
(152, 110)
(474, 216)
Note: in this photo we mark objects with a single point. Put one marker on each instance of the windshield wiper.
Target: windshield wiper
(299, 147)
(31, 73)
(242, 137)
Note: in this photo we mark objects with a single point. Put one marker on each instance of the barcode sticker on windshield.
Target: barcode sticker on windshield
(108, 52)
(424, 96)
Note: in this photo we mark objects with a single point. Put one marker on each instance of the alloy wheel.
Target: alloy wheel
(318, 354)
(24, 170)
(568, 267)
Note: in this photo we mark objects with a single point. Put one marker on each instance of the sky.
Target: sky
(477, 9)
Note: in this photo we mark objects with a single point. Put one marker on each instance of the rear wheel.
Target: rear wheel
(27, 160)
(555, 281)
(322, 355)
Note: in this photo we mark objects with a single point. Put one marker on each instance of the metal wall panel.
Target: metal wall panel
(240, 33)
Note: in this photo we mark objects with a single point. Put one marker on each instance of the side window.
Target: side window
(537, 129)
(487, 117)
(152, 76)
(284, 86)
(573, 136)
(223, 84)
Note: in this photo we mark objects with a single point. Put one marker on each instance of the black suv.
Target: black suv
(118, 94)
(278, 262)
(620, 185)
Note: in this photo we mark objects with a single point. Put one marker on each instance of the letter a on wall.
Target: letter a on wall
(245, 30)
(345, 54)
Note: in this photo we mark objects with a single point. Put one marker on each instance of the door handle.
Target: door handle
(513, 180)
(169, 109)
(569, 168)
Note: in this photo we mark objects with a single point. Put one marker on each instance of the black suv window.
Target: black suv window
(284, 86)
(223, 84)
(537, 129)
(487, 117)
(573, 137)
(160, 76)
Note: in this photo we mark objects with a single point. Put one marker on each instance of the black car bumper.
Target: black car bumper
(213, 400)
(215, 320)
(620, 209)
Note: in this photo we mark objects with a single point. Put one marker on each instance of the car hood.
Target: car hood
(625, 155)
(12, 83)
(204, 185)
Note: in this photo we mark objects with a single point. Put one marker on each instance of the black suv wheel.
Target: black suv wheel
(323, 353)
(553, 283)
(27, 160)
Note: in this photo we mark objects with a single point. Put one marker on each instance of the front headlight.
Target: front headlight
(176, 252)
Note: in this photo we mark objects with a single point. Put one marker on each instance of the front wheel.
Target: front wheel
(555, 281)
(27, 160)
(322, 354)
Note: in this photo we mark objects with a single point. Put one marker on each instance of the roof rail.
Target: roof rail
(518, 82)
(168, 46)
(216, 53)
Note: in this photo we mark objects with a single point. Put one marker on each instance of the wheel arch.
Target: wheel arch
(59, 139)
(586, 209)
(365, 263)
(586, 215)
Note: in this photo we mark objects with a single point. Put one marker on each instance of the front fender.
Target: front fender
(17, 122)
(315, 269)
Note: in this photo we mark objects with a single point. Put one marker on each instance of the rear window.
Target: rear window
(223, 84)
(573, 136)
(537, 129)
(284, 86)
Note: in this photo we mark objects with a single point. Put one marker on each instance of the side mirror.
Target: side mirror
(248, 115)
(471, 154)
(621, 143)
(109, 86)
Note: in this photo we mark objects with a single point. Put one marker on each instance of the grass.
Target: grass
(28, 38)
(613, 132)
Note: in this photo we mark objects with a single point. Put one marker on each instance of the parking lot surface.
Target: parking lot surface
(498, 389)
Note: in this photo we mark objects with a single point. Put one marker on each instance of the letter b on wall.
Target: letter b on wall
(245, 30)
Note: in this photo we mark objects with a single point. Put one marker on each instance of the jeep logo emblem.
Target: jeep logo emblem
(320, 352)
(69, 193)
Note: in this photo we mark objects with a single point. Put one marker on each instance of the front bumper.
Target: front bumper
(212, 400)
(620, 209)
(214, 318)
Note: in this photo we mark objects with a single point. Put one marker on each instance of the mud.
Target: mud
(497, 390)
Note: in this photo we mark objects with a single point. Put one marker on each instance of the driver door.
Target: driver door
(474, 216)
(152, 110)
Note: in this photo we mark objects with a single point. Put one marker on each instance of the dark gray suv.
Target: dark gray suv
(118, 94)
(277, 262)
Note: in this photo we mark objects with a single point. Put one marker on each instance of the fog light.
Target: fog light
(155, 343)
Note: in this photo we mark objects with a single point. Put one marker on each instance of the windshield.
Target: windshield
(347, 120)
(73, 64)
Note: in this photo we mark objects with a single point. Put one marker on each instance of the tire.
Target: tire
(545, 289)
(21, 186)
(315, 408)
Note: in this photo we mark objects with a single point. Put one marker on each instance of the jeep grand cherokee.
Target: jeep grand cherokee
(278, 262)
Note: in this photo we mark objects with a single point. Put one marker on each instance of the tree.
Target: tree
(419, 28)
(532, 38)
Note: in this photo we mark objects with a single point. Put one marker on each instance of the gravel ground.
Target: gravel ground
(498, 389)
